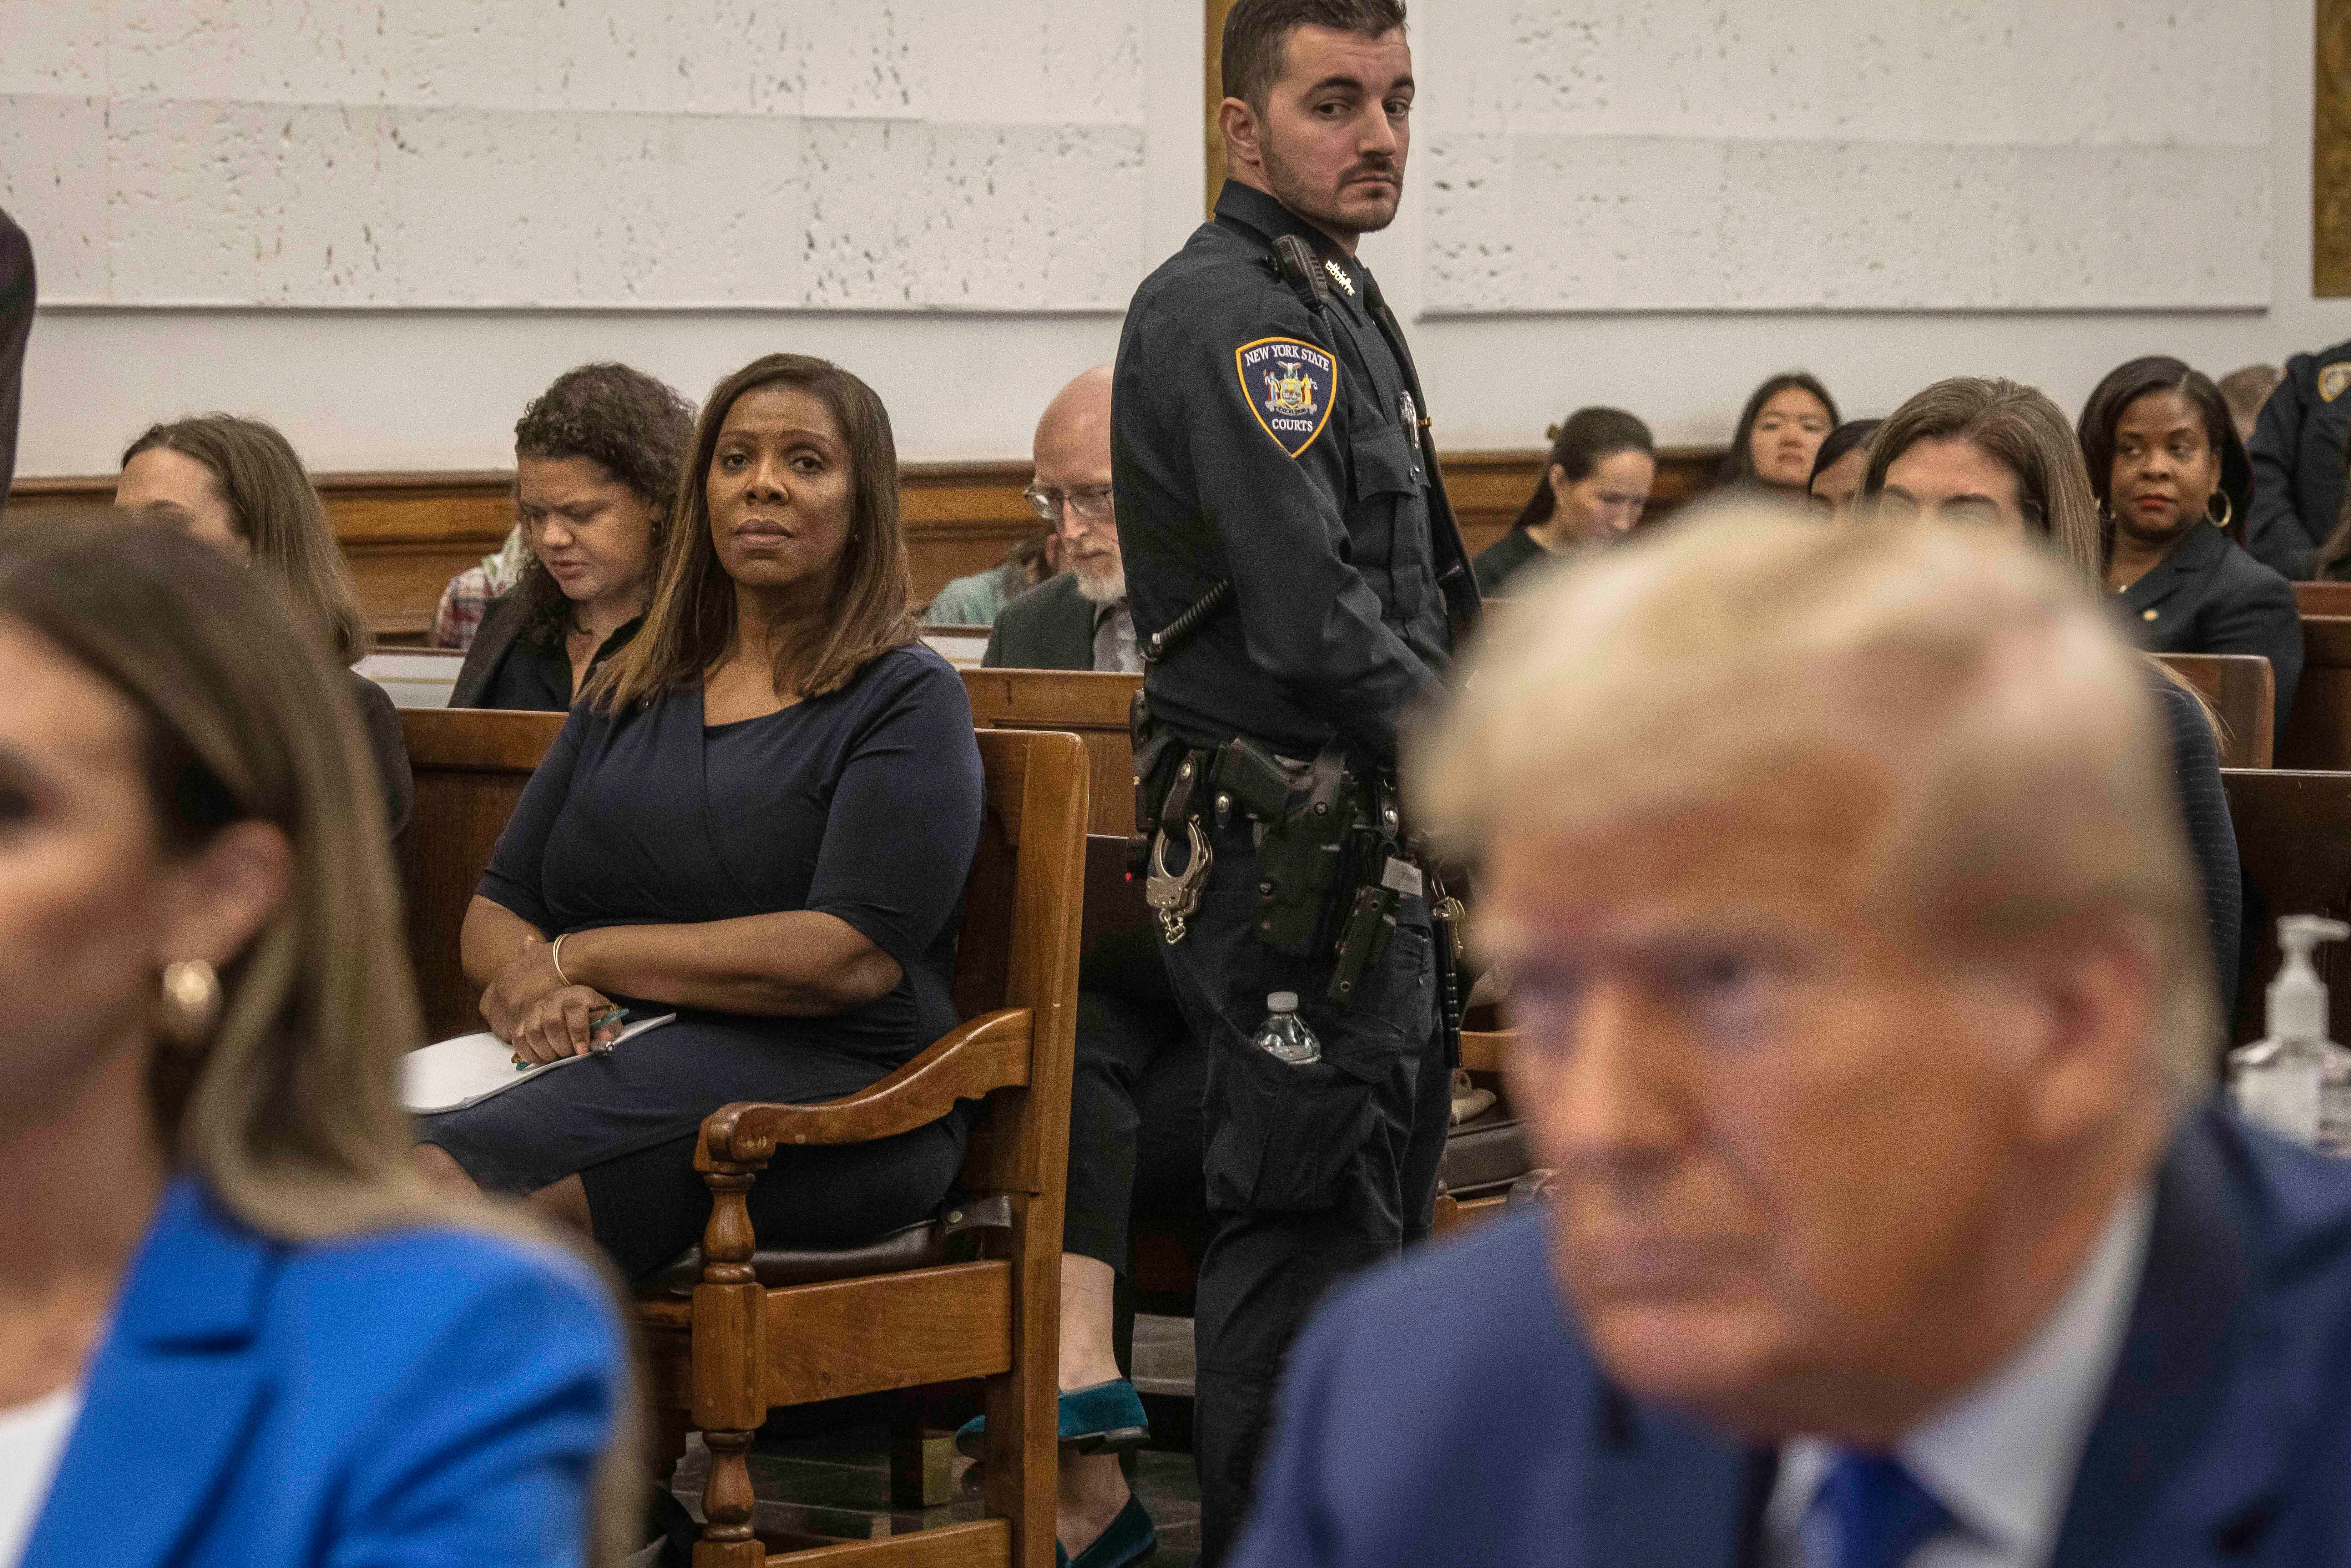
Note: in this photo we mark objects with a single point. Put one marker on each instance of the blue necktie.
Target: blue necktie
(1879, 1512)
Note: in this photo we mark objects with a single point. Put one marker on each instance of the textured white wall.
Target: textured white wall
(996, 175)
(1715, 154)
(858, 154)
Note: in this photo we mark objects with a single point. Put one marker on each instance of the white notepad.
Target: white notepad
(452, 1074)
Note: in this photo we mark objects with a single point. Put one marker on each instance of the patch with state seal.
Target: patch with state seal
(2333, 380)
(1291, 387)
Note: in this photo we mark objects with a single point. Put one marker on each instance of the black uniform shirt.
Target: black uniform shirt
(1260, 442)
(2298, 454)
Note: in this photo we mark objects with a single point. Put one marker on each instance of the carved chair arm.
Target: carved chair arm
(990, 1051)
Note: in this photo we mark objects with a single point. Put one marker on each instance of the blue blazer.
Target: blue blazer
(1445, 1412)
(428, 1396)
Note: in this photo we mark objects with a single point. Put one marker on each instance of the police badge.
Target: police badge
(2333, 380)
(1290, 386)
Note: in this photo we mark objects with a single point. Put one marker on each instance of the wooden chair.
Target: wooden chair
(2242, 690)
(471, 764)
(761, 1330)
(1088, 704)
(2293, 841)
(2318, 731)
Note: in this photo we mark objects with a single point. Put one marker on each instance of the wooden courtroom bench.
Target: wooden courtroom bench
(2324, 598)
(1089, 705)
(2318, 732)
(2242, 690)
(2293, 841)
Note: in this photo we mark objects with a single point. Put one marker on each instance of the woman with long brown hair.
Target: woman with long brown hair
(234, 1327)
(1595, 486)
(759, 817)
(236, 485)
(1999, 455)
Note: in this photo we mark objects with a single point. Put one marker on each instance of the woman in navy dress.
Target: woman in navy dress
(760, 816)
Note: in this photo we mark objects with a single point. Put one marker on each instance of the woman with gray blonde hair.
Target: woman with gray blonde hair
(2001, 455)
(236, 1327)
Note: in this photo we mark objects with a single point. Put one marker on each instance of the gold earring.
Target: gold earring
(2228, 509)
(190, 1001)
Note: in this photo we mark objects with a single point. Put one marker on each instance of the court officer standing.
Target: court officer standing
(1298, 585)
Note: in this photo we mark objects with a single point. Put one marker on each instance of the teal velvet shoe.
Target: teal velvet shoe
(1129, 1539)
(1101, 1418)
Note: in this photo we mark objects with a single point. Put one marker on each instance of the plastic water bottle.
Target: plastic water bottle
(2297, 1083)
(1284, 1035)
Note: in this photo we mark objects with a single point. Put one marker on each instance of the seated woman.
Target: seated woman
(236, 1329)
(1838, 469)
(2001, 455)
(2163, 454)
(759, 816)
(236, 485)
(1780, 431)
(1592, 491)
(596, 460)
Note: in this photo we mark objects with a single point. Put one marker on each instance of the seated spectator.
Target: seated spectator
(1135, 1100)
(1077, 619)
(596, 459)
(2297, 453)
(1592, 491)
(1867, 1028)
(2164, 457)
(978, 600)
(1998, 454)
(241, 1332)
(471, 592)
(238, 485)
(1780, 432)
(760, 816)
(2245, 391)
(1838, 469)
(17, 295)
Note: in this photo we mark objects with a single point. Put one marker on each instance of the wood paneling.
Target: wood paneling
(2330, 163)
(407, 534)
(2318, 731)
(1213, 84)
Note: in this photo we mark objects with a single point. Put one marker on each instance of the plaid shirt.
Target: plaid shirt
(472, 591)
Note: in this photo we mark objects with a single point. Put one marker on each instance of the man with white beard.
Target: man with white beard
(1078, 620)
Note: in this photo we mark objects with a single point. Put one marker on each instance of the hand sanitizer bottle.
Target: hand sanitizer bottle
(2297, 1083)
(1284, 1035)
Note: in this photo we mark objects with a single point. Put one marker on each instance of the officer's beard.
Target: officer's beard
(1321, 208)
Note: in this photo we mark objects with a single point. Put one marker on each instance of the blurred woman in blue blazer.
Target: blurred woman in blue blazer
(234, 1327)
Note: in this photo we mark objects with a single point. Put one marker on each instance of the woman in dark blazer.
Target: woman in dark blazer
(596, 459)
(2172, 479)
(239, 1331)
(760, 817)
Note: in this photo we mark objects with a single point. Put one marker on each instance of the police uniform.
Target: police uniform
(2298, 456)
(1267, 434)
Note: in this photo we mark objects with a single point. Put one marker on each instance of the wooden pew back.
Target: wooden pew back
(2318, 732)
(2294, 840)
(2324, 598)
(471, 766)
(2242, 690)
(1091, 704)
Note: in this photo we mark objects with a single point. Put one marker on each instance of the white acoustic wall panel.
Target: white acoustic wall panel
(1845, 154)
(843, 154)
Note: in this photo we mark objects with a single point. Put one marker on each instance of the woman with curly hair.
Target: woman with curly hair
(596, 459)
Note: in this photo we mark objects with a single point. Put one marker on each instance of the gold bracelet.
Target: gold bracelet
(554, 956)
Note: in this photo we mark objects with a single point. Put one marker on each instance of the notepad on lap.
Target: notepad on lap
(452, 1074)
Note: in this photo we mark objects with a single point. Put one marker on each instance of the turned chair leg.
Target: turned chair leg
(727, 1539)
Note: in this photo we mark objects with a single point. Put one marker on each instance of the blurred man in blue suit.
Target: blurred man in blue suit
(1868, 1026)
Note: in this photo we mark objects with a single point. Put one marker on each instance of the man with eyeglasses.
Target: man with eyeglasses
(1078, 620)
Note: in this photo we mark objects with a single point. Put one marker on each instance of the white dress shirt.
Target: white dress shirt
(32, 1441)
(2001, 1456)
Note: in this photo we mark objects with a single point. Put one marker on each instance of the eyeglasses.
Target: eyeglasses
(1093, 503)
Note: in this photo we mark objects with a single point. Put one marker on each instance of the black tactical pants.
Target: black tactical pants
(1314, 1172)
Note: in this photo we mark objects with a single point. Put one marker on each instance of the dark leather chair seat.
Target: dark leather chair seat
(951, 1236)
(1484, 1154)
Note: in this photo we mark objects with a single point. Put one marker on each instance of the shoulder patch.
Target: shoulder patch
(2335, 380)
(1291, 386)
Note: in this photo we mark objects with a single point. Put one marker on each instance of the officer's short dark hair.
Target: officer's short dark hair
(1256, 31)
